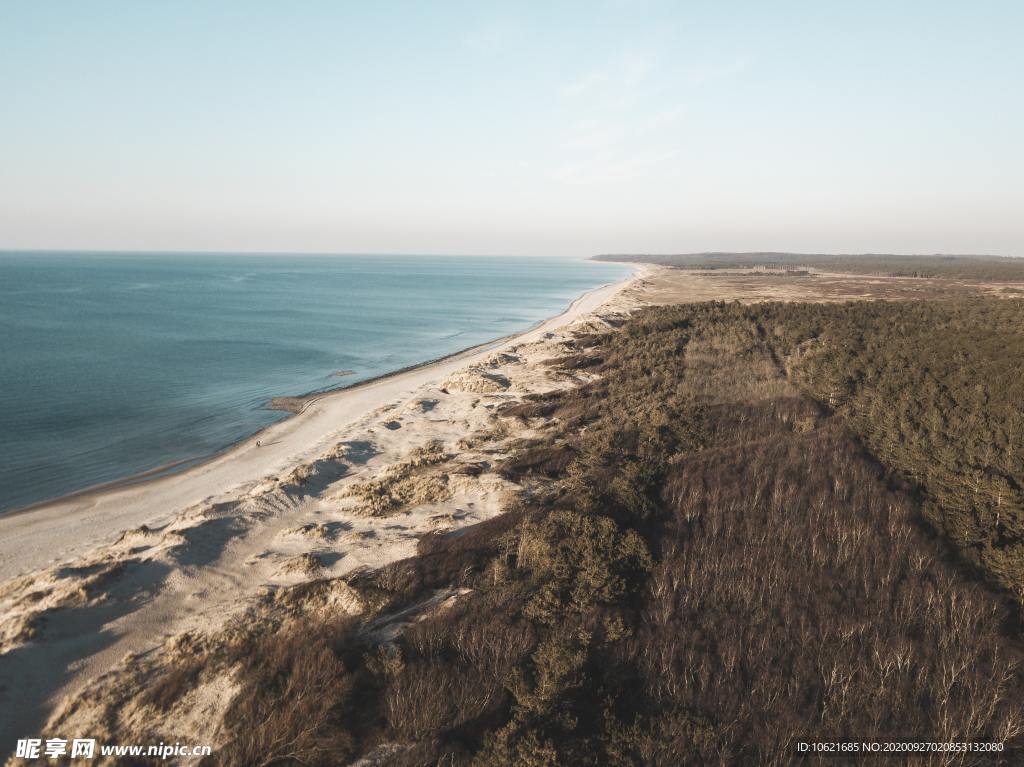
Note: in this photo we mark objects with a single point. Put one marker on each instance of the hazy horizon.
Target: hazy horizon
(532, 129)
(382, 254)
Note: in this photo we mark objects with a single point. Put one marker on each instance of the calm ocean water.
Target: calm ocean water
(114, 364)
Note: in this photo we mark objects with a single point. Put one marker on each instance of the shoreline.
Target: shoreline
(294, 405)
(95, 515)
(302, 401)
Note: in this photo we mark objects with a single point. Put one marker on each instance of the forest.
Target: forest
(966, 267)
(758, 524)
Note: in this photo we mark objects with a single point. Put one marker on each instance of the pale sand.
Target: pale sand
(92, 585)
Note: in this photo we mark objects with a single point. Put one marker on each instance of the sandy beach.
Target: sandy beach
(62, 529)
(99, 577)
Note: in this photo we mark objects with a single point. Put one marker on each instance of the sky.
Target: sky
(547, 128)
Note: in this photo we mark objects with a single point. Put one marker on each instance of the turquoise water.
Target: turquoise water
(114, 364)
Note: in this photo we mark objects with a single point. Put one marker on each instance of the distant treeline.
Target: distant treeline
(750, 529)
(999, 268)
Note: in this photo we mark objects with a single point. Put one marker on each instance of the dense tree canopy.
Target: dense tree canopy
(747, 530)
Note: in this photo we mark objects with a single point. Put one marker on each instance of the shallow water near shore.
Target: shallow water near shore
(115, 364)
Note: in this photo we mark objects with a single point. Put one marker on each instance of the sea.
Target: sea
(116, 364)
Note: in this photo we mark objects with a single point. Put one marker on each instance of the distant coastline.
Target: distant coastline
(967, 267)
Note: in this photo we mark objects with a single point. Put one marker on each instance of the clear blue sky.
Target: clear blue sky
(547, 128)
